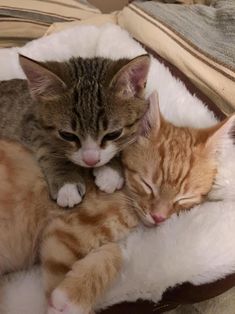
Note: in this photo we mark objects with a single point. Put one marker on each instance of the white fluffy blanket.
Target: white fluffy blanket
(198, 246)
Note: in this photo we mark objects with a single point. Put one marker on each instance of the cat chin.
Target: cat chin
(147, 220)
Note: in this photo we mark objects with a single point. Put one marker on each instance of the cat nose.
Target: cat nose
(91, 157)
(158, 218)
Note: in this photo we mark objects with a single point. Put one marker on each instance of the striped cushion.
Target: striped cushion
(97, 20)
(199, 40)
(24, 20)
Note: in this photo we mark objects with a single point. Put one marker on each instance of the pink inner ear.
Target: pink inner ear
(137, 77)
(40, 84)
(152, 119)
(42, 81)
(131, 79)
(221, 138)
(145, 126)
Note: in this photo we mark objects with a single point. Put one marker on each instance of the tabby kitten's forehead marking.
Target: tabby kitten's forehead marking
(99, 100)
(89, 94)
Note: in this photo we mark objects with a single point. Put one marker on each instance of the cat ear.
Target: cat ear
(151, 121)
(131, 79)
(42, 82)
(222, 137)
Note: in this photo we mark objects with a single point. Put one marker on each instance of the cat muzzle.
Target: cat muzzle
(158, 218)
(91, 157)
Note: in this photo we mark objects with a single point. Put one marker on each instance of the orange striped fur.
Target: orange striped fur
(77, 248)
(167, 170)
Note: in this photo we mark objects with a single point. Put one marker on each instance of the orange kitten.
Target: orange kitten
(77, 249)
(172, 168)
(168, 169)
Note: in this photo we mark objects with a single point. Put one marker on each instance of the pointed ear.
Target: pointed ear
(151, 121)
(131, 79)
(222, 137)
(42, 82)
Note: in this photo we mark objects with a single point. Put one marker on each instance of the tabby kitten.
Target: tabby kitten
(74, 114)
(78, 249)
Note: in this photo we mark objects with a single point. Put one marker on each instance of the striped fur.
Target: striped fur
(26, 20)
(86, 99)
(75, 246)
(79, 249)
(178, 168)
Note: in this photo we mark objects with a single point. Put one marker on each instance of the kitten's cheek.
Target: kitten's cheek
(149, 221)
(73, 145)
(76, 158)
(107, 154)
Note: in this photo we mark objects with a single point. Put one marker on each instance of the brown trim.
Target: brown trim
(89, 9)
(17, 39)
(40, 13)
(20, 20)
(185, 293)
(139, 307)
(12, 41)
(60, 4)
(189, 85)
(188, 293)
(181, 44)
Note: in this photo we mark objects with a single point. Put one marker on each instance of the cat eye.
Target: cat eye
(112, 136)
(70, 137)
(186, 199)
(148, 188)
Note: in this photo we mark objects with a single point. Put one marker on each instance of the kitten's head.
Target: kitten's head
(169, 168)
(91, 108)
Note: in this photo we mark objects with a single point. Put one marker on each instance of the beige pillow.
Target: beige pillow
(24, 20)
(95, 20)
(199, 40)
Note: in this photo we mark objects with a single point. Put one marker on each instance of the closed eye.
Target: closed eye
(112, 136)
(187, 199)
(67, 136)
(149, 189)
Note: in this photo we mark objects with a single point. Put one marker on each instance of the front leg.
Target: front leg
(64, 178)
(109, 178)
(87, 281)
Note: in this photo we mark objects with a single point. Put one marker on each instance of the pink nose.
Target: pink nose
(158, 218)
(90, 161)
(90, 158)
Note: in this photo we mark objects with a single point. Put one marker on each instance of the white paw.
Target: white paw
(108, 179)
(68, 195)
(60, 304)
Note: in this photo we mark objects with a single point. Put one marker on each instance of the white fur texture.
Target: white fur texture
(60, 304)
(108, 179)
(198, 246)
(68, 195)
(22, 293)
